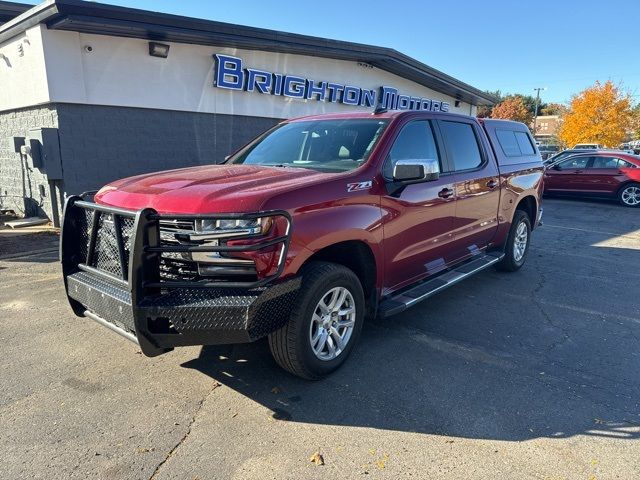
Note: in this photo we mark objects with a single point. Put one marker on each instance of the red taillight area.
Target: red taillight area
(268, 258)
(632, 173)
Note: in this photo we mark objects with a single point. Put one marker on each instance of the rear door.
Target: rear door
(418, 220)
(568, 175)
(604, 174)
(477, 185)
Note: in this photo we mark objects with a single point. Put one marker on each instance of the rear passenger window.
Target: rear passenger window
(515, 143)
(462, 145)
(524, 143)
(610, 162)
(508, 143)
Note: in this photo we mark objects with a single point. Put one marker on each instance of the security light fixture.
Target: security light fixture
(158, 49)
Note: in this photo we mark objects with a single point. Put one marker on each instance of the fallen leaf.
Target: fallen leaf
(317, 459)
(599, 421)
(276, 390)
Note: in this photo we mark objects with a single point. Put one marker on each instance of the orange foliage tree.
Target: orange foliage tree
(512, 108)
(599, 114)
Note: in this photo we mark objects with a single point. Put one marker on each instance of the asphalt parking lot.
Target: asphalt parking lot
(511, 376)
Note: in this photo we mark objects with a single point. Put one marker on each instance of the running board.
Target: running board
(424, 290)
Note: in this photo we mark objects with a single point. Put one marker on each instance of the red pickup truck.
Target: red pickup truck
(304, 233)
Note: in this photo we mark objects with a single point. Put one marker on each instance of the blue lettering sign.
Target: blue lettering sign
(231, 74)
(258, 79)
(351, 95)
(294, 86)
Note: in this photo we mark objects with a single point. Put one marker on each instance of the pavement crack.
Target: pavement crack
(171, 452)
(547, 317)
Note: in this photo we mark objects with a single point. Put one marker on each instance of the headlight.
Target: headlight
(232, 227)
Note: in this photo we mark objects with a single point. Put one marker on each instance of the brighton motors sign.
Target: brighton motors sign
(230, 73)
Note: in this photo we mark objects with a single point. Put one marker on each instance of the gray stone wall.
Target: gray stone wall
(100, 144)
(21, 185)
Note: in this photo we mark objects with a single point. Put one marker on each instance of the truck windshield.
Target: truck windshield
(323, 145)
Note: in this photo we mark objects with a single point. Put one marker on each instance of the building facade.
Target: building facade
(90, 93)
(547, 127)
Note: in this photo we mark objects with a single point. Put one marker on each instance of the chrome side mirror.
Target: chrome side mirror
(416, 171)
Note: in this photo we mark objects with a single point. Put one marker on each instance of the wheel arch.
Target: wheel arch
(529, 205)
(358, 256)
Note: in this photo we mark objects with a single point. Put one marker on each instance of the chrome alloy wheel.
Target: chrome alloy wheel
(631, 196)
(332, 324)
(520, 242)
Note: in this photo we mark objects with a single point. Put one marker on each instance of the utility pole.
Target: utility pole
(535, 113)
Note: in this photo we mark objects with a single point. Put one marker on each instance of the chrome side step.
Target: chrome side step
(426, 289)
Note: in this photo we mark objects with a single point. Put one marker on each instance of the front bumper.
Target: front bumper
(134, 301)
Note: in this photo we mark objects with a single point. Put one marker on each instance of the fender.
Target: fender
(316, 229)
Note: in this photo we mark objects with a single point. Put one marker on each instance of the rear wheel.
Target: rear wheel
(517, 245)
(325, 322)
(629, 195)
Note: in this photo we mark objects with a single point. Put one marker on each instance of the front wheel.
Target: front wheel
(325, 322)
(517, 244)
(629, 195)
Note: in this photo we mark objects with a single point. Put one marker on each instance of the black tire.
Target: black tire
(625, 188)
(291, 345)
(510, 263)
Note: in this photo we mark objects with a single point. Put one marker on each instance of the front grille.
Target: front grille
(174, 266)
(106, 256)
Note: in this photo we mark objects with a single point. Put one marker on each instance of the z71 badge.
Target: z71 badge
(355, 187)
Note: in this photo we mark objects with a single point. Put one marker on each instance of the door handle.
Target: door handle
(578, 171)
(492, 184)
(445, 193)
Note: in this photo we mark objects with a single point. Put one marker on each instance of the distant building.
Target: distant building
(547, 127)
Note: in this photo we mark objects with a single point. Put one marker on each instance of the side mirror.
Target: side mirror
(557, 167)
(416, 171)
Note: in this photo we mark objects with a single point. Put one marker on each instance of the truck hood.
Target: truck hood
(206, 189)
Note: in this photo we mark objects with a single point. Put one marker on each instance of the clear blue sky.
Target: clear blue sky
(512, 46)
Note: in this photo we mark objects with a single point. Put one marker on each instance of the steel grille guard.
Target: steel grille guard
(142, 268)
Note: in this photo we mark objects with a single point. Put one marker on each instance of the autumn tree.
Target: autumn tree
(553, 109)
(600, 114)
(513, 108)
(635, 121)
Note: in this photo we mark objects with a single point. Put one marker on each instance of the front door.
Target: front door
(568, 176)
(418, 220)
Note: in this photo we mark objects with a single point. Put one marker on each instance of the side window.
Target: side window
(524, 142)
(462, 145)
(508, 143)
(515, 143)
(605, 162)
(625, 164)
(574, 162)
(414, 142)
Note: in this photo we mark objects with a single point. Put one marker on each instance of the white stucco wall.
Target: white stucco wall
(23, 77)
(120, 72)
(56, 67)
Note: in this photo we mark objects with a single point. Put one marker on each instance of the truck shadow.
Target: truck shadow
(547, 352)
(541, 353)
(406, 380)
